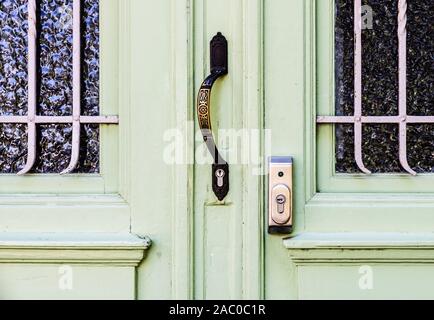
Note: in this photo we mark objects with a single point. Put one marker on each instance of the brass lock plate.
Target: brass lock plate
(280, 195)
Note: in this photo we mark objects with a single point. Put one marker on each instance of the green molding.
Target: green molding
(357, 248)
(73, 248)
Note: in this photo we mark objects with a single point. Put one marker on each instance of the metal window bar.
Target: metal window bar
(358, 119)
(32, 119)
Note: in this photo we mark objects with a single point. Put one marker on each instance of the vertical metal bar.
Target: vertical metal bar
(358, 86)
(402, 49)
(31, 100)
(76, 87)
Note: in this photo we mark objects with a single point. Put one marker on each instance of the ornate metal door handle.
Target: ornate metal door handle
(219, 68)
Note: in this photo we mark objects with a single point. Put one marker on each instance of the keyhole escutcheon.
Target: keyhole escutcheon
(220, 174)
(280, 199)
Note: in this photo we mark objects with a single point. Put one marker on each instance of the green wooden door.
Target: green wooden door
(355, 235)
(233, 256)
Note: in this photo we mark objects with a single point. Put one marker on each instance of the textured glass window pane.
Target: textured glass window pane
(55, 84)
(420, 58)
(13, 82)
(13, 57)
(380, 85)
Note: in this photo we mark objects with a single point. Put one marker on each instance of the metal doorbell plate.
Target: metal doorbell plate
(280, 194)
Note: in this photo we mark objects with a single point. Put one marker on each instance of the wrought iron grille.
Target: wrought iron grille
(402, 119)
(32, 119)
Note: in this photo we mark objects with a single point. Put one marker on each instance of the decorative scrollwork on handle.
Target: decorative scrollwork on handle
(203, 109)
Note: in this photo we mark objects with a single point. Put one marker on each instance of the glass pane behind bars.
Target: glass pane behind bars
(55, 84)
(380, 85)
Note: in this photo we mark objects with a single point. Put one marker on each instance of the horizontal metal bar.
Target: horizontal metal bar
(61, 119)
(420, 119)
(335, 119)
(375, 119)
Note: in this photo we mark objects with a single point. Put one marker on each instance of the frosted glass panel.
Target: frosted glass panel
(380, 144)
(54, 85)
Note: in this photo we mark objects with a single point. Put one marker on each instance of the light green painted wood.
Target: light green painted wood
(36, 282)
(221, 277)
(362, 241)
(154, 55)
(110, 103)
(74, 212)
(157, 97)
(76, 203)
(321, 205)
(111, 249)
(211, 17)
(319, 258)
(69, 265)
(284, 85)
(66, 213)
(228, 236)
(389, 282)
(334, 212)
(279, 51)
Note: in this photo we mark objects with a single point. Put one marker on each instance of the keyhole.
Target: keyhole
(280, 199)
(220, 173)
